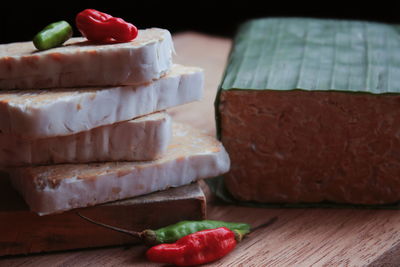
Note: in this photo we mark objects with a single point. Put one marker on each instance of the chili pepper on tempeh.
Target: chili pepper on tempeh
(100, 27)
(53, 35)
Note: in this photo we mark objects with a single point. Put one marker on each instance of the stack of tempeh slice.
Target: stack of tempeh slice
(85, 124)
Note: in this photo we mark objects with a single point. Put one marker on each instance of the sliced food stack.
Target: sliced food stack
(85, 122)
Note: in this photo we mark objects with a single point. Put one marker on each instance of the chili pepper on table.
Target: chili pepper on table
(100, 27)
(172, 233)
(53, 35)
(198, 248)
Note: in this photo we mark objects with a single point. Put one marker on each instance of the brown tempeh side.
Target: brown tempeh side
(300, 146)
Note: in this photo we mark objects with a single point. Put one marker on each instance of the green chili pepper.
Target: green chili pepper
(53, 35)
(174, 232)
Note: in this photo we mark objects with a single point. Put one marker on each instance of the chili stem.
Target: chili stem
(124, 231)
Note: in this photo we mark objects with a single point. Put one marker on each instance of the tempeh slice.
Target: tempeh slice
(192, 155)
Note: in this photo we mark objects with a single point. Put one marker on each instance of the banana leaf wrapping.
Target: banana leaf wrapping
(315, 54)
(308, 54)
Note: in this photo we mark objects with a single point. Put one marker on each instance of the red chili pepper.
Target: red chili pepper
(100, 27)
(194, 249)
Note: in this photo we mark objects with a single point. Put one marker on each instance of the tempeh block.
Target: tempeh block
(46, 113)
(144, 138)
(80, 63)
(191, 156)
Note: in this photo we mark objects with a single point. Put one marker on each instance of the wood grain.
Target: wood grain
(313, 237)
(300, 237)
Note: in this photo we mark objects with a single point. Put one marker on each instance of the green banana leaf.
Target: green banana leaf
(315, 54)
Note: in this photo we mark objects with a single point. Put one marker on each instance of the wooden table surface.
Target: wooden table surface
(300, 237)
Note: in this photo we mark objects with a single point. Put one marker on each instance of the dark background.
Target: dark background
(20, 22)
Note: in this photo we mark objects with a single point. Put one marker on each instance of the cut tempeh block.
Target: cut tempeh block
(45, 113)
(82, 63)
(308, 111)
(192, 155)
(144, 138)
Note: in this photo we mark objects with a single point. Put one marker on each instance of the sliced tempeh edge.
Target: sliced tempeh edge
(46, 113)
(81, 63)
(144, 138)
(192, 155)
